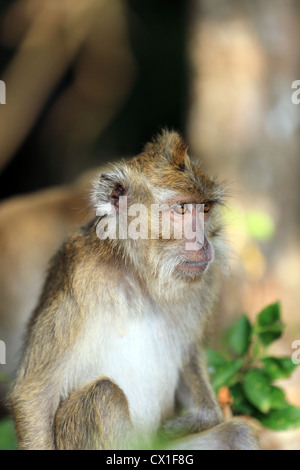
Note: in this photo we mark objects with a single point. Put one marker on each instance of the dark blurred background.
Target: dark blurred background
(154, 95)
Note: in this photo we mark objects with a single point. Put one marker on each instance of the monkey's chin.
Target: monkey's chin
(191, 269)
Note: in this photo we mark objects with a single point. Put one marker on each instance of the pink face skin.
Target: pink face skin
(198, 252)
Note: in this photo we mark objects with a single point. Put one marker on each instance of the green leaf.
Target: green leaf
(279, 368)
(239, 336)
(282, 419)
(214, 360)
(257, 388)
(226, 374)
(277, 397)
(269, 315)
(241, 405)
(269, 337)
(268, 325)
(7, 435)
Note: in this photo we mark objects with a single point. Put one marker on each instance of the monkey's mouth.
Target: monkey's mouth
(196, 263)
(193, 267)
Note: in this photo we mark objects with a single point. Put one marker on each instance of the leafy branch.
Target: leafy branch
(249, 373)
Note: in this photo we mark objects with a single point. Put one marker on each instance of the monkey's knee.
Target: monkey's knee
(241, 436)
(94, 417)
(235, 434)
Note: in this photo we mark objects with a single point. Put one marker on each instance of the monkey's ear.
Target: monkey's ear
(107, 190)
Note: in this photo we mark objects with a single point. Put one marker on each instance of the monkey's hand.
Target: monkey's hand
(193, 422)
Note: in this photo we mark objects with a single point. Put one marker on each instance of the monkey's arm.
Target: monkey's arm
(48, 356)
(33, 407)
(196, 395)
(43, 374)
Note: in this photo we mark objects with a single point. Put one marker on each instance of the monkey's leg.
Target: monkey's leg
(234, 434)
(94, 417)
(195, 394)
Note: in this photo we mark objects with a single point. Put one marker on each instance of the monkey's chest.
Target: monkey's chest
(144, 359)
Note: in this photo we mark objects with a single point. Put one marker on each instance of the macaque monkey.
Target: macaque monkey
(115, 344)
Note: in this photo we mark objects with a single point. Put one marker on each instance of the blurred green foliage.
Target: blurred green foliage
(249, 373)
(259, 225)
(7, 435)
(7, 430)
(256, 224)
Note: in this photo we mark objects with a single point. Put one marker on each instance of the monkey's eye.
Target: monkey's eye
(180, 208)
(207, 207)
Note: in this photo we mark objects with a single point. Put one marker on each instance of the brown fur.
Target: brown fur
(97, 402)
(234, 434)
(100, 294)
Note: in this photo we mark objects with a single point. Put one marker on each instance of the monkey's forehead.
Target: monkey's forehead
(187, 193)
(167, 181)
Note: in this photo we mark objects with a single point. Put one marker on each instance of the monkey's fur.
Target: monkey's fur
(116, 340)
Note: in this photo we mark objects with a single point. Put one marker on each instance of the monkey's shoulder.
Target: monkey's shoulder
(81, 245)
(82, 260)
(75, 277)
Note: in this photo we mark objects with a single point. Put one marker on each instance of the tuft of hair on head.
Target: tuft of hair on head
(170, 145)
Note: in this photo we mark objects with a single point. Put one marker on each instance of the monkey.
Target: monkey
(114, 353)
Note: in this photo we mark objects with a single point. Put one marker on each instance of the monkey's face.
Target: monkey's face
(196, 252)
(181, 236)
(188, 226)
(191, 205)
(184, 247)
